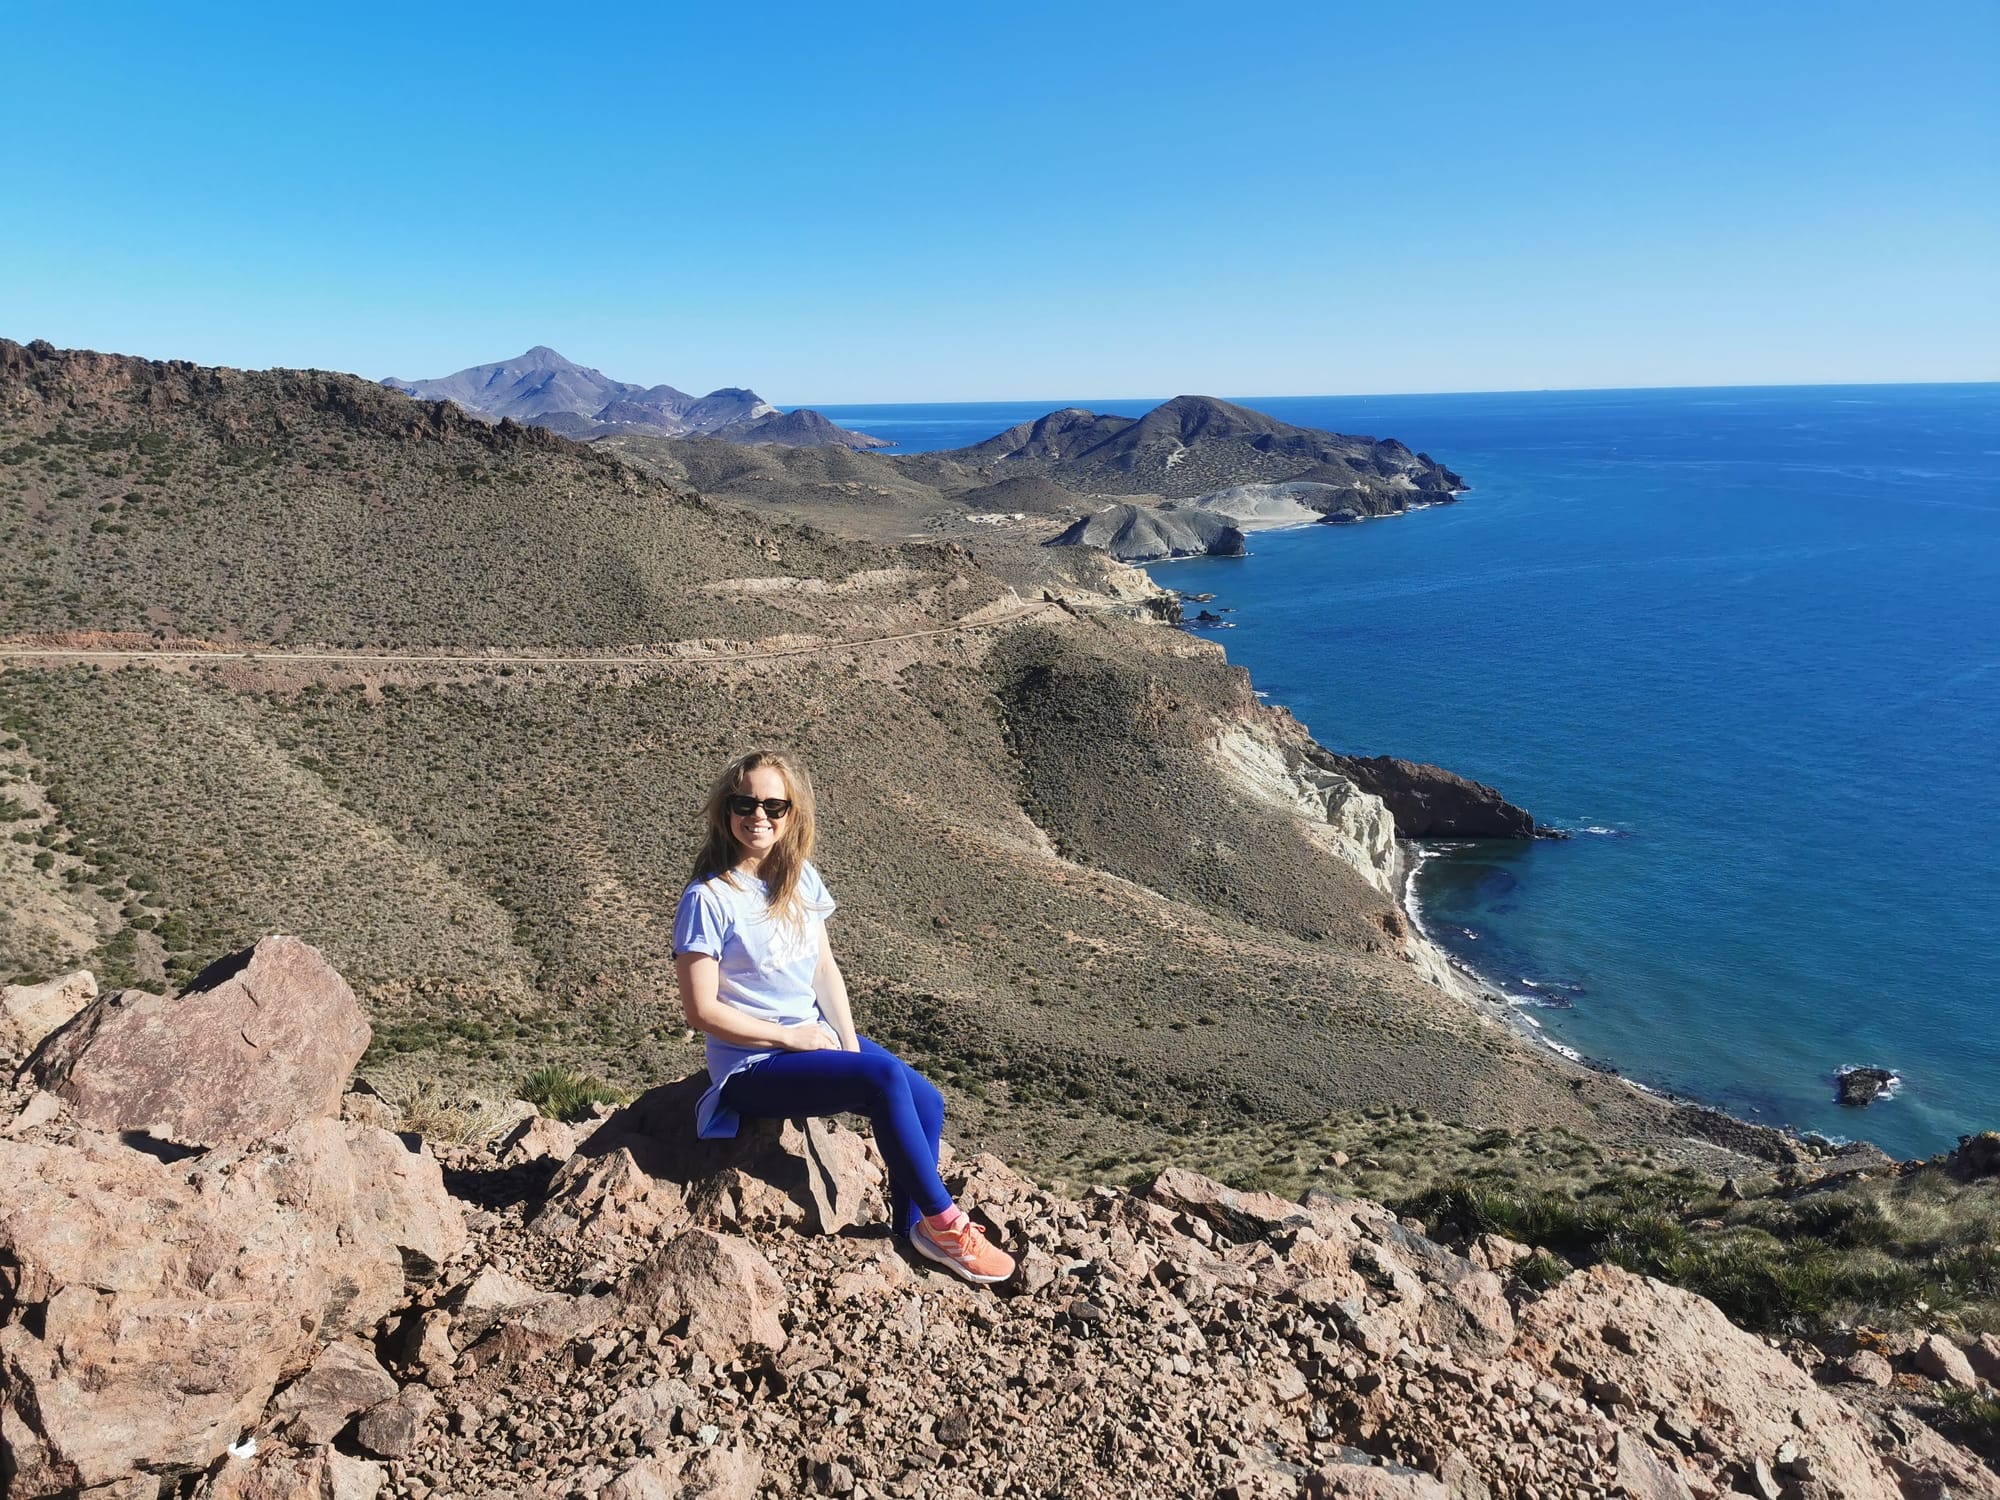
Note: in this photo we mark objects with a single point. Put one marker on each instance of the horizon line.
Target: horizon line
(1525, 390)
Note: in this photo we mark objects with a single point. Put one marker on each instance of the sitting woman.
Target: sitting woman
(757, 975)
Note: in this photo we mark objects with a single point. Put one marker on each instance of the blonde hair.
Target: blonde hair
(781, 868)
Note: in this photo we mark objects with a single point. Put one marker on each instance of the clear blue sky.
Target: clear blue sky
(942, 202)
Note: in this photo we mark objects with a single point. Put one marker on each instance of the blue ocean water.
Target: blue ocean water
(1746, 644)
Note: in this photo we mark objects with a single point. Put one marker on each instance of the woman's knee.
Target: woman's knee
(927, 1098)
(880, 1073)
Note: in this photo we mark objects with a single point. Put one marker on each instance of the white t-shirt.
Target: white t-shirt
(766, 970)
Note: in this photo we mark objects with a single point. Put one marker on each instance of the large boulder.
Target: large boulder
(259, 1042)
(152, 1307)
(720, 1286)
(29, 1012)
(644, 1173)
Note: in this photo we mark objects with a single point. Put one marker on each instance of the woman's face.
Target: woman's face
(757, 832)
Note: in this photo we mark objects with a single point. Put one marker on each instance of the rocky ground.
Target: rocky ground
(295, 1301)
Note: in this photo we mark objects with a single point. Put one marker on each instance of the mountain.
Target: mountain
(1193, 445)
(542, 389)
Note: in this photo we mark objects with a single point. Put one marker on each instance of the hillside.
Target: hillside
(542, 389)
(485, 675)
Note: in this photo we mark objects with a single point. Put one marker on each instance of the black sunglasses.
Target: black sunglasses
(774, 807)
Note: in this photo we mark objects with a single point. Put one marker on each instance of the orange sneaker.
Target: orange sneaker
(963, 1250)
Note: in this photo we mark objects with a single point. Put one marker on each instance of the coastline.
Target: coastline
(1488, 998)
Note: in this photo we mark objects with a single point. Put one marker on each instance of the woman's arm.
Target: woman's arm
(706, 1011)
(831, 990)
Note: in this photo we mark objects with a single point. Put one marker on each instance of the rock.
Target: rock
(1240, 1215)
(726, 1291)
(1865, 1367)
(391, 1429)
(1429, 802)
(152, 1308)
(1984, 1353)
(481, 1303)
(730, 1471)
(1366, 1482)
(352, 1478)
(343, 1382)
(259, 1042)
(275, 1472)
(1977, 1155)
(724, 1472)
(1856, 1087)
(29, 1012)
(536, 1139)
(1461, 1480)
(1674, 1351)
(1942, 1360)
(41, 1108)
(643, 1172)
(1643, 1474)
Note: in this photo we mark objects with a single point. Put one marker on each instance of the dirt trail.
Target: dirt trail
(25, 651)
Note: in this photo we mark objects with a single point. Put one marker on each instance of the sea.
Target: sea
(1743, 646)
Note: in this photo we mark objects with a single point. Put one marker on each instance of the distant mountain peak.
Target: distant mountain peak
(544, 388)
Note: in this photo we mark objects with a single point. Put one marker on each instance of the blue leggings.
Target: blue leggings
(905, 1108)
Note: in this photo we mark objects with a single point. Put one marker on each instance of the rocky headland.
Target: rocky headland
(1185, 479)
(254, 1288)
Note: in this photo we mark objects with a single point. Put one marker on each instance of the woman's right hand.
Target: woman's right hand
(810, 1036)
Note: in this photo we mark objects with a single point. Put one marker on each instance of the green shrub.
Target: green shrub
(565, 1095)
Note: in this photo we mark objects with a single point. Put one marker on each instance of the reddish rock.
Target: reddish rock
(1240, 1215)
(643, 1173)
(259, 1042)
(1941, 1359)
(728, 1293)
(343, 1382)
(29, 1012)
(1866, 1367)
(152, 1308)
(1670, 1350)
(1985, 1356)
(391, 1430)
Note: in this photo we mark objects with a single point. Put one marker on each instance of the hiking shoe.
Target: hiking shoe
(963, 1250)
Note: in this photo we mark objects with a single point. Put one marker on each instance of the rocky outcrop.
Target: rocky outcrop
(644, 1172)
(1429, 802)
(1139, 534)
(316, 1295)
(29, 1012)
(153, 1297)
(1862, 1086)
(1976, 1155)
(259, 1041)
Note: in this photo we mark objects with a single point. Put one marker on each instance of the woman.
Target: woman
(758, 977)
